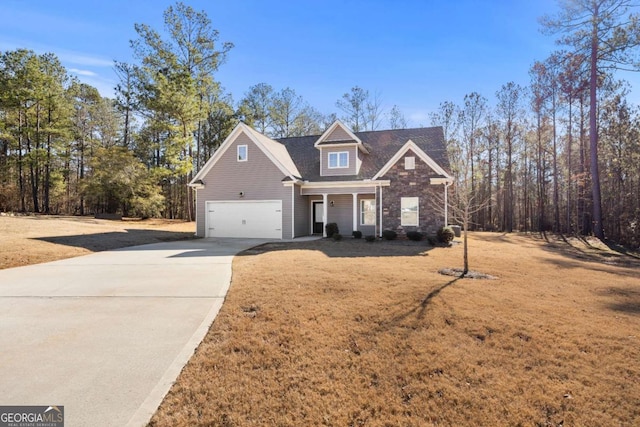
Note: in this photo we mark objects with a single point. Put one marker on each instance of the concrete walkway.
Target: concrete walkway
(105, 335)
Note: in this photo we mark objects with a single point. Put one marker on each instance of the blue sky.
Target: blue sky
(414, 53)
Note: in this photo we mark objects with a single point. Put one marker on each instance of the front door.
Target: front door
(318, 217)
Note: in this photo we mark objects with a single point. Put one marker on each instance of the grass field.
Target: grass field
(26, 240)
(353, 333)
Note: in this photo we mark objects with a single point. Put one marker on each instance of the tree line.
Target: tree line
(561, 154)
(65, 149)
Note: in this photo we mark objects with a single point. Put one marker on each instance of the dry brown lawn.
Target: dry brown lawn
(353, 333)
(26, 240)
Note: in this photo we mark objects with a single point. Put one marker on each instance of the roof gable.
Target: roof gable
(411, 146)
(339, 134)
(275, 151)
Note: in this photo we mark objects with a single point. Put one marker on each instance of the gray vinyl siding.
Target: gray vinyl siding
(258, 178)
(341, 212)
(201, 211)
(338, 190)
(286, 215)
(359, 160)
(302, 213)
(338, 134)
(324, 162)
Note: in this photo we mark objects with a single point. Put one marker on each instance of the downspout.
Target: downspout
(446, 204)
(381, 222)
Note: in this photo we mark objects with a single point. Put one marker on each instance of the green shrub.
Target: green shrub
(432, 241)
(331, 228)
(416, 236)
(357, 234)
(370, 238)
(389, 235)
(337, 237)
(445, 234)
(150, 206)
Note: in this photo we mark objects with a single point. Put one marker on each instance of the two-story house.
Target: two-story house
(257, 187)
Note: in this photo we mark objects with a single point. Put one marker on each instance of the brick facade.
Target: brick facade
(412, 183)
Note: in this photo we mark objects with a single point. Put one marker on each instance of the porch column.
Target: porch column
(355, 211)
(446, 205)
(324, 214)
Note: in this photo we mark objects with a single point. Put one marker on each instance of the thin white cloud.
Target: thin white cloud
(91, 69)
(78, 58)
(82, 72)
(66, 56)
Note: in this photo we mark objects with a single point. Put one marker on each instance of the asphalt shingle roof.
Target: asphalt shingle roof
(382, 145)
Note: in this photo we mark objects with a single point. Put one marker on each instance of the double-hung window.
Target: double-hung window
(367, 212)
(339, 160)
(409, 211)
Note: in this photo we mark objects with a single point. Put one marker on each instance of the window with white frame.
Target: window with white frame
(409, 211)
(368, 212)
(339, 160)
(242, 153)
(409, 162)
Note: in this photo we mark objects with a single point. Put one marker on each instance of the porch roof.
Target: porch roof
(342, 187)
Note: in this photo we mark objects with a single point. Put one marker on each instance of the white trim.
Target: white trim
(375, 220)
(351, 135)
(440, 181)
(337, 153)
(355, 210)
(410, 145)
(347, 184)
(417, 224)
(312, 210)
(246, 152)
(241, 127)
(325, 214)
(349, 144)
(333, 127)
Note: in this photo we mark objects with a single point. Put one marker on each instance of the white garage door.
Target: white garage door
(249, 219)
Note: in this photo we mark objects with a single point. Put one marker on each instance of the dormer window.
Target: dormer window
(242, 153)
(339, 160)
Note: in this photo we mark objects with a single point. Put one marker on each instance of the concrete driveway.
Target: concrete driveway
(105, 335)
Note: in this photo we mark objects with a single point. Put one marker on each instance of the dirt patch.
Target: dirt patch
(471, 274)
(355, 334)
(26, 240)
